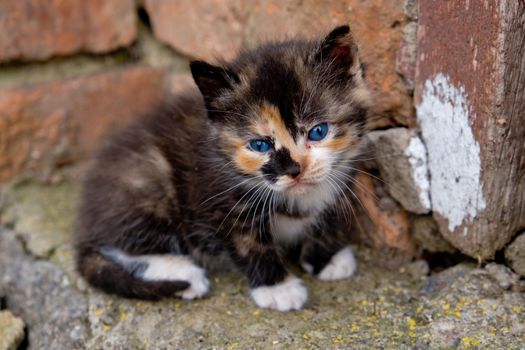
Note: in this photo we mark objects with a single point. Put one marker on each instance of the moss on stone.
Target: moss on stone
(41, 215)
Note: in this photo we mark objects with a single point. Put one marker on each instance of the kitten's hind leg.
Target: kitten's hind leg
(327, 259)
(163, 267)
(342, 265)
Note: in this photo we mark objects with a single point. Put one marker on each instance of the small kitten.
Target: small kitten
(256, 166)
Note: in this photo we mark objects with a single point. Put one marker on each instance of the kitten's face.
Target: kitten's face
(290, 115)
(293, 159)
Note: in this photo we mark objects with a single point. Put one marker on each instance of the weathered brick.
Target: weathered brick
(386, 223)
(45, 125)
(207, 29)
(196, 27)
(470, 101)
(38, 29)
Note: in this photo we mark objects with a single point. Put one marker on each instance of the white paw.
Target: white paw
(307, 267)
(199, 284)
(177, 268)
(291, 294)
(342, 265)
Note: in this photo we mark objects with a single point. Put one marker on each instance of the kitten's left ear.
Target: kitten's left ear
(212, 80)
(338, 51)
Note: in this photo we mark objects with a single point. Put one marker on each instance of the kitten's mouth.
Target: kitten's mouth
(300, 185)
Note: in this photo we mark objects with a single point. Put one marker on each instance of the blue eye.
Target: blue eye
(318, 132)
(260, 146)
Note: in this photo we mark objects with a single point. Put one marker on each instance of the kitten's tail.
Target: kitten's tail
(102, 270)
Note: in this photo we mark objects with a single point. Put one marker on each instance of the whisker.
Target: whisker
(231, 188)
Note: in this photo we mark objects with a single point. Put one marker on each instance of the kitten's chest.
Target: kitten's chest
(296, 217)
(289, 229)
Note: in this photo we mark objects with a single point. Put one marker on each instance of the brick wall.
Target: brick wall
(70, 71)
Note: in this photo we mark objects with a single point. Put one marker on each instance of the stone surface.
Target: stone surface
(426, 232)
(39, 214)
(462, 307)
(39, 29)
(207, 30)
(11, 331)
(39, 291)
(52, 124)
(401, 159)
(469, 98)
(515, 254)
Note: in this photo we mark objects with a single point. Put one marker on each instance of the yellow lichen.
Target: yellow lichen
(469, 342)
(411, 326)
(99, 312)
(337, 339)
(232, 346)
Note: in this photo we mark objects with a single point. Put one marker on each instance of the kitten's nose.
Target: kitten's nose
(293, 170)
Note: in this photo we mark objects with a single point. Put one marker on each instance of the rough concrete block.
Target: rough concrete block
(515, 254)
(402, 162)
(426, 232)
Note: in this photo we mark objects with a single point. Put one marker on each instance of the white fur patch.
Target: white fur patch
(307, 267)
(287, 229)
(166, 268)
(341, 266)
(291, 294)
(177, 268)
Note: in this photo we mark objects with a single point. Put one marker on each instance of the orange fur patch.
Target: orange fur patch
(249, 162)
(273, 125)
(339, 144)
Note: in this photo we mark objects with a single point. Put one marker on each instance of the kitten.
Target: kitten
(253, 167)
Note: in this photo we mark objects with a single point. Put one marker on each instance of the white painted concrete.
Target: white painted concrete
(417, 157)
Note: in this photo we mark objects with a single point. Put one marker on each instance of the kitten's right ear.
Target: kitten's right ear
(212, 80)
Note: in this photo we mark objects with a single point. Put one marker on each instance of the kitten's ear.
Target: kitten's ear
(338, 51)
(211, 80)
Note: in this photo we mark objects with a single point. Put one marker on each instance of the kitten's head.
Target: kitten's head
(291, 113)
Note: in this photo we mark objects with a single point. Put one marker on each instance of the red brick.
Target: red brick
(198, 28)
(387, 225)
(207, 29)
(52, 123)
(38, 29)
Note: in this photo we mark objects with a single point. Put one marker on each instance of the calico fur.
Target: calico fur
(182, 188)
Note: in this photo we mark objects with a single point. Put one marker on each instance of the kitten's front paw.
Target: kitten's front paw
(342, 265)
(291, 294)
